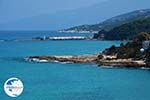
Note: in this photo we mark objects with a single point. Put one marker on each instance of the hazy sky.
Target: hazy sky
(59, 14)
(16, 9)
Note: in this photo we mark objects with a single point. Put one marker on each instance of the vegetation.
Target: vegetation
(131, 49)
(147, 56)
(126, 31)
(113, 22)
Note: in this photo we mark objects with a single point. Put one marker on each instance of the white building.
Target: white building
(146, 44)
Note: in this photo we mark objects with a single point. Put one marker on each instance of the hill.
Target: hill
(126, 31)
(112, 22)
(137, 49)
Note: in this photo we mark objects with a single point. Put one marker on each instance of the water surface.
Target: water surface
(56, 81)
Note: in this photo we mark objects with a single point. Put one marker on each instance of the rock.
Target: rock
(73, 59)
(122, 63)
(62, 38)
(101, 60)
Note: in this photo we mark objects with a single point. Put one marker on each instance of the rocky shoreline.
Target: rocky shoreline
(62, 38)
(122, 63)
(135, 53)
(103, 61)
(71, 59)
(75, 31)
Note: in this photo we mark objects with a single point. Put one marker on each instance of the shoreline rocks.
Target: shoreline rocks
(72, 59)
(62, 38)
(103, 61)
(122, 63)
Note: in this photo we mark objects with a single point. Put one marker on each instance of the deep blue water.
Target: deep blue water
(56, 81)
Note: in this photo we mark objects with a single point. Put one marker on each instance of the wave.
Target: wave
(113, 67)
(144, 68)
(64, 62)
(36, 60)
(45, 61)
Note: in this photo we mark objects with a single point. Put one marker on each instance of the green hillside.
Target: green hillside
(112, 22)
(126, 31)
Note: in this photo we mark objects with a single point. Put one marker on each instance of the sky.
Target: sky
(11, 10)
(60, 14)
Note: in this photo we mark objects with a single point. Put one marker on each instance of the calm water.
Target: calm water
(55, 81)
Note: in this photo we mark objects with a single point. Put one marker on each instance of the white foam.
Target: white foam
(36, 60)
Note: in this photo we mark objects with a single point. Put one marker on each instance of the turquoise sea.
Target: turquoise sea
(57, 81)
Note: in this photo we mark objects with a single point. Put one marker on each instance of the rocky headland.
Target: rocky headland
(69, 59)
(103, 61)
(135, 53)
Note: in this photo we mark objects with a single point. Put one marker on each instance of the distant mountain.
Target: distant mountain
(126, 31)
(112, 22)
(87, 15)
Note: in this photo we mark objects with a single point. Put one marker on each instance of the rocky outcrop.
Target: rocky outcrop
(71, 59)
(122, 63)
(62, 38)
(131, 54)
(101, 60)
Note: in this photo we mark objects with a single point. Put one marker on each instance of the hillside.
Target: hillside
(126, 31)
(112, 22)
(138, 48)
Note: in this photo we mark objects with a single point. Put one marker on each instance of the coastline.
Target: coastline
(75, 31)
(63, 38)
(104, 61)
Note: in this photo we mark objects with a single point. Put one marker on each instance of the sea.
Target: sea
(64, 81)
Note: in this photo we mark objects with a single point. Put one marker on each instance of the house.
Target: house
(146, 44)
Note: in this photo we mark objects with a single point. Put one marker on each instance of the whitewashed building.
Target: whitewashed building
(146, 44)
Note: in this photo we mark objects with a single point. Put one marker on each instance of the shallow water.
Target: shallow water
(56, 81)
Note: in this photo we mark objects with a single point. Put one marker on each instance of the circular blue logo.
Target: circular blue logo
(13, 87)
